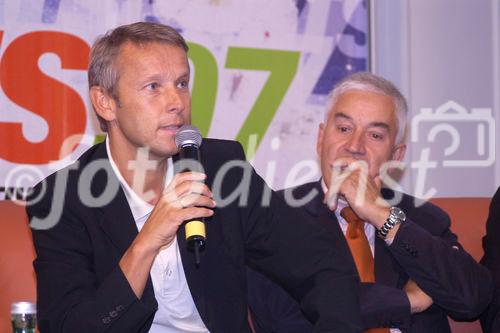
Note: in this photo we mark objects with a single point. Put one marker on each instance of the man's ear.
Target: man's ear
(104, 104)
(399, 152)
(319, 141)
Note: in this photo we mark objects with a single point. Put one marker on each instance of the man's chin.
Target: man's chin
(163, 152)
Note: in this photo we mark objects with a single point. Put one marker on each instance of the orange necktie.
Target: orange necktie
(360, 250)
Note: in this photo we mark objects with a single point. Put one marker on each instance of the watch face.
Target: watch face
(398, 213)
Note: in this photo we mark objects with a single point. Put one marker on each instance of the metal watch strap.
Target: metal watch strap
(390, 223)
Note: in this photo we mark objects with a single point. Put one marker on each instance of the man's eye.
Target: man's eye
(153, 86)
(377, 136)
(183, 84)
(343, 129)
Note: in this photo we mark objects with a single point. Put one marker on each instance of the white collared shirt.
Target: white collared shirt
(369, 229)
(341, 204)
(176, 309)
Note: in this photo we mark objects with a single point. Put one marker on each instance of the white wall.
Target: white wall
(438, 51)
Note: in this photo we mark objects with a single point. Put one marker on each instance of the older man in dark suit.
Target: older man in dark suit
(413, 270)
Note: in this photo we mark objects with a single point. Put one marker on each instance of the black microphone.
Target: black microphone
(188, 141)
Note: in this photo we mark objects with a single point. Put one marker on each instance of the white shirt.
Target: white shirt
(176, 309)
(341, 204)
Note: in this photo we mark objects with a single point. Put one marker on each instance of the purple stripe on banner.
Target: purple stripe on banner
(303, 13)
(148, 11)
(152, 19)
(50, 10)
(340, 64)
(335, 22)
(149, 15)
(300, 4)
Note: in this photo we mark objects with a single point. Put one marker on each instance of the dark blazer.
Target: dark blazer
(82, 289)
(490, 320)
(424, 250)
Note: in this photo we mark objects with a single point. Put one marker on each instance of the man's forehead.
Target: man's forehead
(383, 119)
(148, 45)
(128, 54)
(351, 103)
(363, 96)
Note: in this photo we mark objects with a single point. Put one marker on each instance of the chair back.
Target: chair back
(17, 277)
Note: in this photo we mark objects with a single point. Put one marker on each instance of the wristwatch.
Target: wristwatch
(396, 216)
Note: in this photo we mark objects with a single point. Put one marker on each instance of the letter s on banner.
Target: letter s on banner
(27, 86)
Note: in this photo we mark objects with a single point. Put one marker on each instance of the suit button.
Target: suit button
(106, 320)
(113, 314)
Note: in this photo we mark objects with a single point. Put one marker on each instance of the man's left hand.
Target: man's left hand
(362, 192)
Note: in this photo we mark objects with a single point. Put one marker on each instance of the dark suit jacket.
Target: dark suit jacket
(490, 320)
(82, 289)
(424, 250)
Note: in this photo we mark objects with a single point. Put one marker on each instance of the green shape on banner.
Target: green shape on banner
(99, 138)
(204, 87)
(282, 66)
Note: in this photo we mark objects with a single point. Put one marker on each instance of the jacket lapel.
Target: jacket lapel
(320, 212)
(194, 274)
(116, 220)
(383, 259)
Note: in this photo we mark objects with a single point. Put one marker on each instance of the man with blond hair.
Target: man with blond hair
(111, 249)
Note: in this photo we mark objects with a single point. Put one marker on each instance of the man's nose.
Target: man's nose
(174, 101)
(356, 143)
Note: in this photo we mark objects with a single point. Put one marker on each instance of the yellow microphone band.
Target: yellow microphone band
(195, 228)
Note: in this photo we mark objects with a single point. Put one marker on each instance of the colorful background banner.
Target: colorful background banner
(261, 74)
